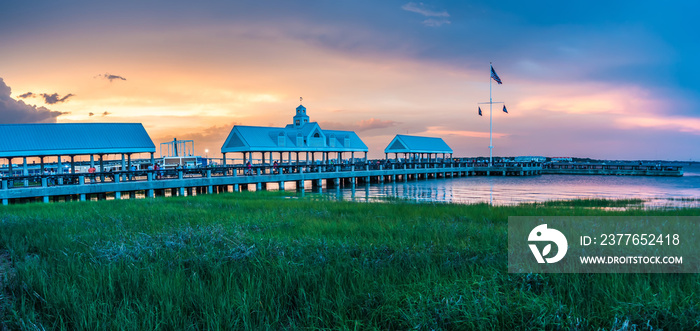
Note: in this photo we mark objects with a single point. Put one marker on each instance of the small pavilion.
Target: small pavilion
(300, 137)
(59, 140)
(417, 148)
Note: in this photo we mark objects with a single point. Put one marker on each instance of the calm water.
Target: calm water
(656, 191)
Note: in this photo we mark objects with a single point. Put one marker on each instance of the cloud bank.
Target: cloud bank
(16, 111)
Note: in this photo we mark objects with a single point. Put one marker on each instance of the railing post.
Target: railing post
(44, 182)
(208, 173)
(179, 174)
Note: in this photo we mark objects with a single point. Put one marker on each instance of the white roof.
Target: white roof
(307, 138)
(44, 139)
(417, 144)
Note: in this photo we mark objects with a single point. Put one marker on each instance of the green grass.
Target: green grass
(592, 203)
(268, 260)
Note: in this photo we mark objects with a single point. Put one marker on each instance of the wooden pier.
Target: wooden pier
(618, 169)
(182, 182)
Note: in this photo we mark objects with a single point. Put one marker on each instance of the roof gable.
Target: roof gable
(397, 145)
(234, 140)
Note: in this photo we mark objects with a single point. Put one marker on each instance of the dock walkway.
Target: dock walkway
(180, 182)
(617, 168)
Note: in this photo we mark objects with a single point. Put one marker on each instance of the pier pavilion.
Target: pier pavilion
(300, 137)
(56, 141)
(417, 148)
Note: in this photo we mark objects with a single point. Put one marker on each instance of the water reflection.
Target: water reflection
(498, 190)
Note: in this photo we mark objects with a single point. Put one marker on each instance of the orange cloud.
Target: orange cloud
(682, 124)
(440, 131)
(363, 125)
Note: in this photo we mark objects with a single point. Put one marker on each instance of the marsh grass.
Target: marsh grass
(270, 260)
(593, 203)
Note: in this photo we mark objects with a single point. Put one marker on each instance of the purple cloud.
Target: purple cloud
(111, 77)
(16, 111)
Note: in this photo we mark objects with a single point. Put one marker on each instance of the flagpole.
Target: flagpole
(490, 120)
(495, 77)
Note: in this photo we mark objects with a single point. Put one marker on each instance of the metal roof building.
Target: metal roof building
(20, 140)
(416, 146)
(300, 137)
(73, 139)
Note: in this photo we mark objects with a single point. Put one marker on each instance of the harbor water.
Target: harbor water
(657, 192)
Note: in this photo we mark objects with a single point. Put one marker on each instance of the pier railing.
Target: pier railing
(48, 180)
(630, 169)
(220, 178)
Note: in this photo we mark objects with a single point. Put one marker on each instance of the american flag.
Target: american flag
(495, 77)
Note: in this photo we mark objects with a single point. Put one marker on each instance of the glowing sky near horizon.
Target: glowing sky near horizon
(602, 80)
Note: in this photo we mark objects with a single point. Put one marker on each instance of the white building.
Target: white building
(287, 143)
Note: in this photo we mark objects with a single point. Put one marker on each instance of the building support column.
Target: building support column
(210, 188)
(102, 168)
(59, 170)
(25, 171)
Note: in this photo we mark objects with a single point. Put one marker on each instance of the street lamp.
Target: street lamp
(206, 153)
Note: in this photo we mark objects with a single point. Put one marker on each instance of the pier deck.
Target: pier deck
(234, 178)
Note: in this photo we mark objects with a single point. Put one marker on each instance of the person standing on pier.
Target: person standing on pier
(91, 171)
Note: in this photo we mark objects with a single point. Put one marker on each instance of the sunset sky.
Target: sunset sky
(614, 79)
